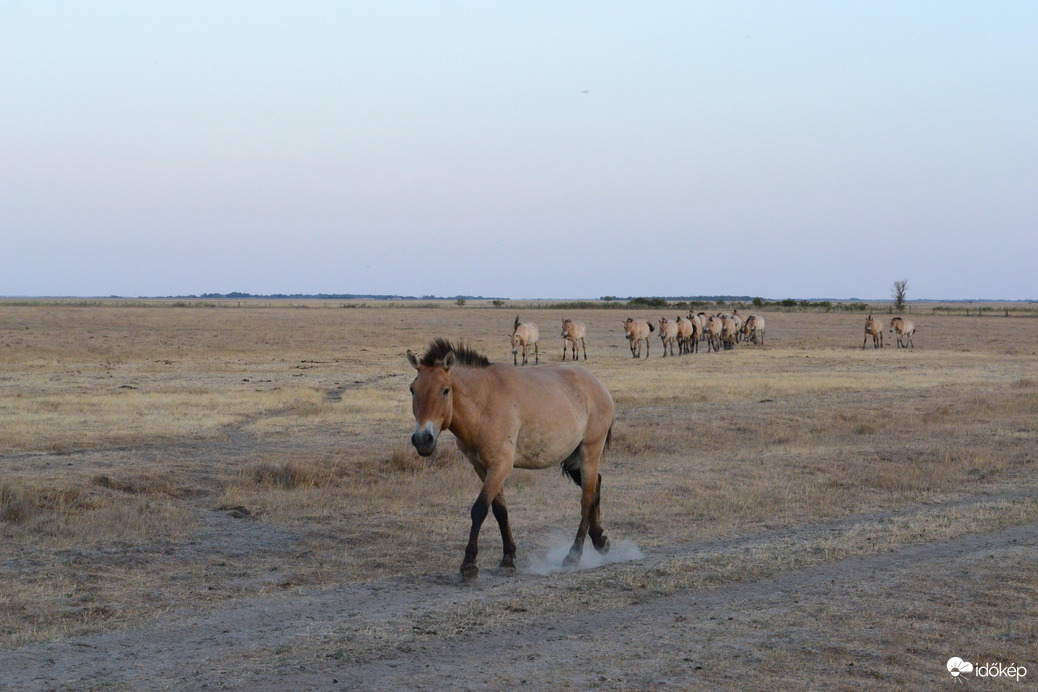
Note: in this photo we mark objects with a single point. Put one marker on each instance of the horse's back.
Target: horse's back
(553, 410)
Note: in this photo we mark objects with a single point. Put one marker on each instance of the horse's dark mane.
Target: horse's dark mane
(439, 348)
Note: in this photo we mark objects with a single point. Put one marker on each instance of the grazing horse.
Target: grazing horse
(525, 335)
(875, 328)
(686, 330)
(904, 331)
(573, 332)
(636, 332)
(505, 418)
(668, 335)
(753, 328)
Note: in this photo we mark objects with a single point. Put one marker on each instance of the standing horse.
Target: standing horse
(573, 332)
(668, 335)
(636, 332)
(713, 333)
(904, 331)
(685, 332)
(754, 328)
(525, 335)
(875, 328)
(505, 418)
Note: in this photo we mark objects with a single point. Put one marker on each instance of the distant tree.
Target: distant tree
(460, 302)
(898, 294)
(758, 302)
(498, 303)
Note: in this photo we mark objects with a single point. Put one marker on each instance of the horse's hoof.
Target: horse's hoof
(572, 559)
(469, 572)
(601, 545)
(506, 570)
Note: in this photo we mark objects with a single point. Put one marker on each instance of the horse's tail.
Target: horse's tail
(651, 327)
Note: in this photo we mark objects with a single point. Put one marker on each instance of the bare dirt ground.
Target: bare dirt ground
(803, 516)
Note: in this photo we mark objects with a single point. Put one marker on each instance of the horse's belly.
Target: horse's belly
(541, 451)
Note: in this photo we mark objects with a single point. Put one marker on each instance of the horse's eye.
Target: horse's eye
(446, 391)
(412, 389)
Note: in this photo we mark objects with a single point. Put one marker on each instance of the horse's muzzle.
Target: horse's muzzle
(424, 442)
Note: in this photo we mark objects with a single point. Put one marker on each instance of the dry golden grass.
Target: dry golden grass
(265, 448)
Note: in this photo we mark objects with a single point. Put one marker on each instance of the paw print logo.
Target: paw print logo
(956, 666)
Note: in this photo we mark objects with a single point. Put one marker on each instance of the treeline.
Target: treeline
(237, 295)
(707, 303)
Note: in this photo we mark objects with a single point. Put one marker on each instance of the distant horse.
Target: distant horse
(505, 417)
(699, 327)
(904, 331)
(754, 328)
(524, 336)
(713, 333)
(686, 330)
(739, 322)
(875, 328)
(636, 332)
(729, 331)
(573, 332)
(668, 335)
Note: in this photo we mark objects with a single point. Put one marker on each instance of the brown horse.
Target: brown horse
(572, 332)
(753, 329)
(686, 330)
(904, 330)
(875, 328)
(729, 331)
(739, 322)
(668, 335)
(524, 336)
(713, 333)
(505, 418)
(636, 332)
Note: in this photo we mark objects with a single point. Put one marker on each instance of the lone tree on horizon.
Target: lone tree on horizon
(898, 294)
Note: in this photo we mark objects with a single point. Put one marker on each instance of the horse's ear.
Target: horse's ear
(412, 359)
(448, 361)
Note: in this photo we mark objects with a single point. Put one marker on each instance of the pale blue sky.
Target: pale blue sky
(524, 150)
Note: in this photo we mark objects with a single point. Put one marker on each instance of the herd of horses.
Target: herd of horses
(720, 331)
(505, 417)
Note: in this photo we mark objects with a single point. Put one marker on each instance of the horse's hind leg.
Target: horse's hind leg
(598, 537)
(589, 501)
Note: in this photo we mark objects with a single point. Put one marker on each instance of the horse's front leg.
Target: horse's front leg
(507, 542)
(493, 482)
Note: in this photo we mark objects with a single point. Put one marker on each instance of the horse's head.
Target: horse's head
(567, 325)
(517, 341)
(896, 323)
(431, 401)
(627, 327)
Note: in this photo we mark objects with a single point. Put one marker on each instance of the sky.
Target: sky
(519, 149)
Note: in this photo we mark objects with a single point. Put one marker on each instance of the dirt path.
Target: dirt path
(842, 621)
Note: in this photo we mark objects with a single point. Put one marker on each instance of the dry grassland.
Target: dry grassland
(159, 462)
